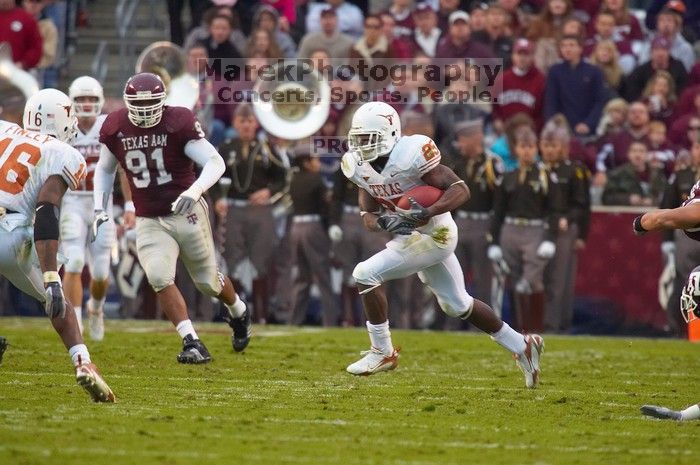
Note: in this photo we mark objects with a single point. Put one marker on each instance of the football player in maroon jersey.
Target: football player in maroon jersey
(157, 147)
(687, 218)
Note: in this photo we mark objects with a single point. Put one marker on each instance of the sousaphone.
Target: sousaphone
(293, 108)
(169, 61)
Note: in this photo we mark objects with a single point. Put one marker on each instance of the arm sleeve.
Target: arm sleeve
(103, 179)
(427, 157)
(205, 155)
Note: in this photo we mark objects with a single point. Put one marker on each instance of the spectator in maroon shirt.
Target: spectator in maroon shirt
(684, 130)
(613, 148)
(21, 31)
(426, 34)
(522, 88)
(401, 47)
(400, 10)
(458, 43)
(605, 30)
(626, 24)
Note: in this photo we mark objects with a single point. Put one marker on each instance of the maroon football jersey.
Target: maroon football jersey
(154, 158)
(694, 197)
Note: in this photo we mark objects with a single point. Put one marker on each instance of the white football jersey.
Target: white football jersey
(411, 158)
(88, 144)
(27, 159)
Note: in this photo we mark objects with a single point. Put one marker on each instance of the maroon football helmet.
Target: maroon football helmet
(144, 96)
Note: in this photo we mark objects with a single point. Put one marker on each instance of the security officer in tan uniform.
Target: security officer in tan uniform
(573, 183)
(686, 252)
(308, 240)
(482, 171)
(258, 178)
(524, 229)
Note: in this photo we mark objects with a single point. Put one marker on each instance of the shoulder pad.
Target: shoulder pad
(349, 164)
(112, 122)
(411, 148)
(177, 118)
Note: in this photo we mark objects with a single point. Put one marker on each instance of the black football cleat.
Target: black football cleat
(242, 330)
(3, 347)
(193, 351)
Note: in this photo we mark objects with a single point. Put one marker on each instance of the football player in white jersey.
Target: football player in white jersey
(76, 212)
(385, 166)
(36, 169)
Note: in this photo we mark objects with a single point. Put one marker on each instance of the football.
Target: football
(424, 195)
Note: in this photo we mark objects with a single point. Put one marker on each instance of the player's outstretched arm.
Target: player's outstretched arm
(213, 166)
(46, 233)
(456, 191)
(684, 217)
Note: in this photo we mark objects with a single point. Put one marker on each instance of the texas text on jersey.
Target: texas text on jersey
(411, 158)
(153, 158)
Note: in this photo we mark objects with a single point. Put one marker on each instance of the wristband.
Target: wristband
(51, 277)
(129, 206)
(638, 224)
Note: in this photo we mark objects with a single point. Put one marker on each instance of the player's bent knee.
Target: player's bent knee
(76, 260)
(210, 289)
(363, 274)
(159, 285)
(459, 307)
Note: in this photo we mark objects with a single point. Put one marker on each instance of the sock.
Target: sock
(236, 309)
(96, 304)
(380, 337)
(185, 327)
(510, 339)
(79, 317)
(79, 354)
(691, 413)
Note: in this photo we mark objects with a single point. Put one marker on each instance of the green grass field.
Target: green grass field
(456, 398)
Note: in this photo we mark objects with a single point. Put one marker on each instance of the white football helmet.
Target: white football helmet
(50, 112)
(86, 86)
(374, 131)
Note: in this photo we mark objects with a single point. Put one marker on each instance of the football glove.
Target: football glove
(101, 217)
(416, 213)
(55, 302)
(184, 204)
(668, 248)
(546, 250)
(396, 224)
(335, 233)
(495, 253)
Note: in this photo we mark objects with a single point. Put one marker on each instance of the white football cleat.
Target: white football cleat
(87, 376)
(529, 360)
(96, 323)
(374, 361)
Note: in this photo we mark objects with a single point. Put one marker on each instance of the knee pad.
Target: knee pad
(211, 289)
(99, 270)
(458, 306)
(363, 274)
(75, 259)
